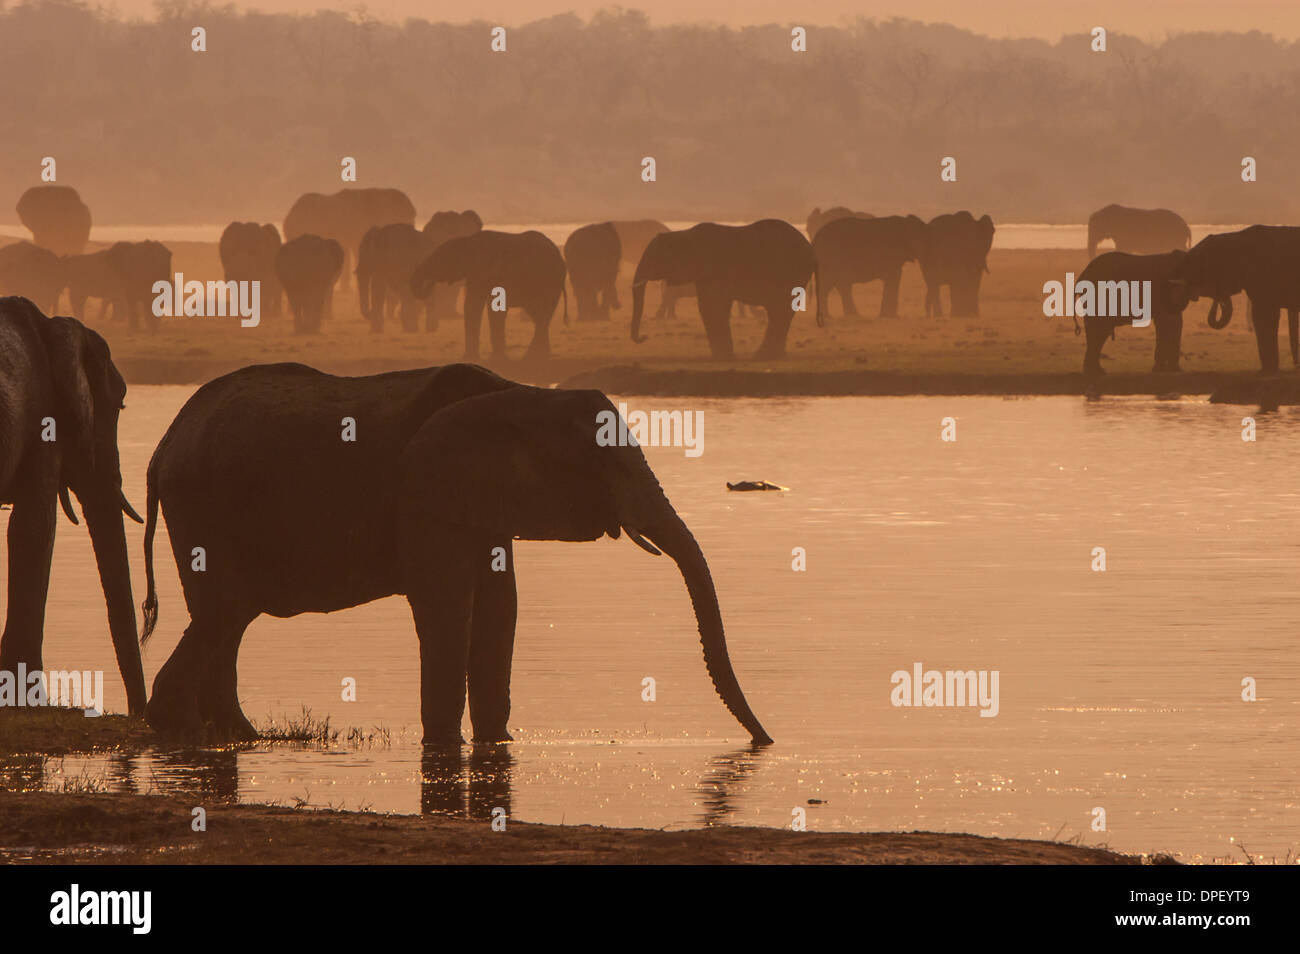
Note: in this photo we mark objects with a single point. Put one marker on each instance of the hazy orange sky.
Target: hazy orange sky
(1148, 19)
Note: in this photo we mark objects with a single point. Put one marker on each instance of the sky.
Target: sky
(1049, 19)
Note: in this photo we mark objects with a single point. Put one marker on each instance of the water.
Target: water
(1118, 690)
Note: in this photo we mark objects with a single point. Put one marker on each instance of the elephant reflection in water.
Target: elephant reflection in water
(451, 784)
(719, 789)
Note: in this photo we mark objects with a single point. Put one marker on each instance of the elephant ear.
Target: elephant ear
(65, 346)
(523, 462)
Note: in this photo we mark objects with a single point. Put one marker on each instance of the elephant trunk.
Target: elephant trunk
(1213, 318)
(672, 535)
(638, 306)
(103, 508)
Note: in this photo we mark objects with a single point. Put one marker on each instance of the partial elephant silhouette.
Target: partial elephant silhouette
(248, 252)
(956, 254)
(389, 256)
(526, 266)
(1264, 262)
(57, 380)
(32, 272)
(440, 227)
(817, 219)
(762, 263)
(452, 465)
(592, 254)
(308, 267)
(1141, 231)
(633, 237)
(139, 266)
(1168, 301)
(92, 275)
(853, 249)
(345, 216)
(58, 219)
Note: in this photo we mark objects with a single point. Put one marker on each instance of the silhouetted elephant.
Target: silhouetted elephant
(32, 272)
(1141, 231)
(139, 266)
(57, 380)
(92, 275)
(592, 254)
(451, 465)
(762, 263)
(956, 254)
(248, 252)
(817, 219)
(440, 227)
(1264, 262)
(308, 266)
(346, 216)
(528, 269)
(1168, 301)
(57, 218)
(852, 249)
(388, 258)
(633, 237)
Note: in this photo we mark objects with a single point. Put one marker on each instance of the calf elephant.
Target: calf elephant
(388, 257)
(58, 219)
(523, 270)
(1143, 231)
(32, 272)
(440, 227)
(139, 266)
(345, 216)
(764, 263)
(248, 252)
(1168, 301)
(817, 219)
(60, 397)
(1264, 262)
(851, 249)
(452, 465)
(308, 266)
(956, 254)
(592, 254)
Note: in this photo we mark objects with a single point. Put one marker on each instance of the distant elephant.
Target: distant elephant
(762, 263)
(453, 464)
(527, 266)
(852, 249)
(633, 237)
(440, 227)
(817, 219)
(57, 218)
(346, 216)
(57, 380)
(139, 266)
(1264, 262)
(1168, 301)
(92, 275)
(248, 252)
(388, 258)
(592, 254)
(32, 272)
(1141, 231)
(308, 266)
(956, 254)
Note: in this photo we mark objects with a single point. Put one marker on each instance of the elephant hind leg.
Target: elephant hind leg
(218, 689)
(492, 643)
(779, 317)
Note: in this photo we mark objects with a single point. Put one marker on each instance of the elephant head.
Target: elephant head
(672, 257)
(530, 463)
(451, 261)
(1101, 227)
(57, 218)
(88, 393)
(1212, 269)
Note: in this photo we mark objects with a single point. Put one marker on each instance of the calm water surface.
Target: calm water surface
(1118, 690)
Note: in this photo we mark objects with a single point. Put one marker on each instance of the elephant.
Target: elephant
(308, 266)
(139, 266)
(57, 218)
(388, 258)
(1264, 262)
(526, 265)
(60, 397)
(633, 236)
(453, 464)
(440, 227)
(852, 249)
(1141, 231)
(1168, 301)
(32, 272)
(91, 275)
(346, 216)
(592, 254)
(248, 253)
(956, 254)
(817, 219)
(762, 263)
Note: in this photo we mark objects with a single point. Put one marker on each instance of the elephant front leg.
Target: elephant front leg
(31, 547)
(442, 573)
(492, 644)
(889, 295)
(845, 288)
(1266, 321)
(715, 312)
(475, 300)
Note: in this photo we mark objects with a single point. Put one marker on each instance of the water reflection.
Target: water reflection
(465, 784)
(720, 789)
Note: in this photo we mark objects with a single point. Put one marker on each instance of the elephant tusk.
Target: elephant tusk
(642, 542)
(67, 505)
(127, 508)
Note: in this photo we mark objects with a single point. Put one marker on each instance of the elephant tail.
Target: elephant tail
(150, 606)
